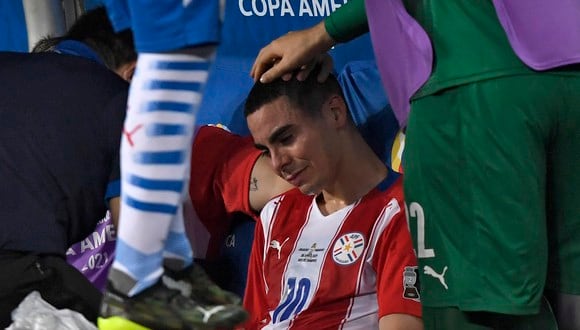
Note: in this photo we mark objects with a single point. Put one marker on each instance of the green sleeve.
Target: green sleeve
(347, 22)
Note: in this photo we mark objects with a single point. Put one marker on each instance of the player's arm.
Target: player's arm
(265, 184)
(400, 322)
(114, 208)
(396, 265)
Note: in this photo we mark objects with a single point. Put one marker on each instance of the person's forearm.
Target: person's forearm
(114, 208)
(400, 322)
(347, 22)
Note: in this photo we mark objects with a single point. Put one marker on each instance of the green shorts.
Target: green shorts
(451, 318)
(492, 183)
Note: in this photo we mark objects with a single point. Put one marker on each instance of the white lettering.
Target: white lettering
(335, 5)
(272, 8)
(321, 8)
(286, 8)
(91, 262)
(243, 10)
(305, 9)
(71, 252)
(99, 239)
(280, 8)
(255, 8)
(86, 244)
(272, 5)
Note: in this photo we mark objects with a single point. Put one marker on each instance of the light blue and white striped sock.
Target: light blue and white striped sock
(155, 154)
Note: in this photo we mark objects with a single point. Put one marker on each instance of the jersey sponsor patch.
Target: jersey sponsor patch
(410, 283)
(348, 248)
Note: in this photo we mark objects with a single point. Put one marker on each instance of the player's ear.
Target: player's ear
(337, 110)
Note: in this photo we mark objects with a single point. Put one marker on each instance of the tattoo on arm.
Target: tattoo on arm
(254, 184)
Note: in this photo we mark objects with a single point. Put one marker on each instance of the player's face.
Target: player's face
(299, 146)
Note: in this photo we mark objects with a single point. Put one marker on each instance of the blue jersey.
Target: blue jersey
(161, 26)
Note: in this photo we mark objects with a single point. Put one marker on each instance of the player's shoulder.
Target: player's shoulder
(213, 135)
(292, 199)
(213, 129)
(217, 126)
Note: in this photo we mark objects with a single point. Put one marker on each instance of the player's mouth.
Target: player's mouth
(294, 178)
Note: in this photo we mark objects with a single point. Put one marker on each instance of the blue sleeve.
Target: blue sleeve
(113, 190)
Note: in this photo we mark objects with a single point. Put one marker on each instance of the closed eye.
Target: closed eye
(265, 151)
(286, 140)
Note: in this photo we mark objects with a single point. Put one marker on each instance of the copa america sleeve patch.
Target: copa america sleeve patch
(411, 283)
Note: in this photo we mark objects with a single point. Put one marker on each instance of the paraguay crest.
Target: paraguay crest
(348, 248)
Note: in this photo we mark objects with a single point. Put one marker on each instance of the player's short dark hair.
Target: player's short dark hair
(308, 95)
(95, 30)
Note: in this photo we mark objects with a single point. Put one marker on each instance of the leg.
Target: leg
(175, 43)
(475, 167)
(155, 156)
(451, 318)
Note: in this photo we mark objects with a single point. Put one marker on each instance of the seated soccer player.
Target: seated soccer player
(335, 251)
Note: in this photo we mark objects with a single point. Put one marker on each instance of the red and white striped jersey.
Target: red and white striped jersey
(340, 271)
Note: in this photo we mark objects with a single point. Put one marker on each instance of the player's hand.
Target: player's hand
(298, 50)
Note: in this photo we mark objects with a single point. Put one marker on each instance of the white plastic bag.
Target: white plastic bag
(34, 313)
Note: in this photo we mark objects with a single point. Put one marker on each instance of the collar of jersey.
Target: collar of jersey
(74, 47)
(392, 176)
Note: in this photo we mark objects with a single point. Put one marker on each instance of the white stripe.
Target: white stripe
(364, 313)
(322, 230)
(181, 75)
(150, 196)
(267, 220)
(173, 57)
(388, 213)
(165, 172)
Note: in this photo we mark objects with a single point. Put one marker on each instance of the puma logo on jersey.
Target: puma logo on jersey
(277, 246)
(441, 277)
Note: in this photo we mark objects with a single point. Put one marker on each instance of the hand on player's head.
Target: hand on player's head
(295, 53)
